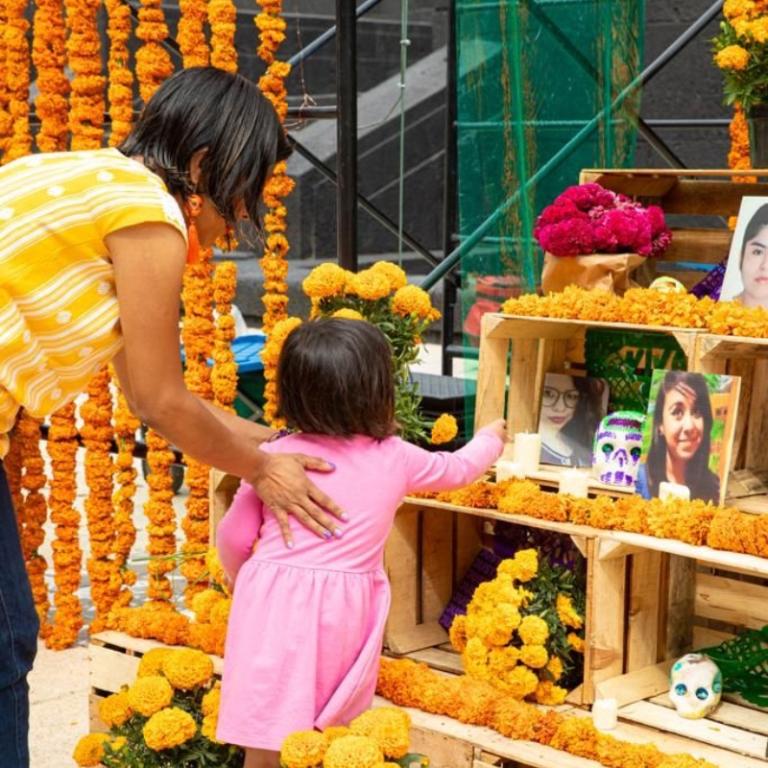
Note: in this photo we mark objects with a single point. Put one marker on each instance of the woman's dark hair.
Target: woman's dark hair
(703, 483)
(334, 377)
(580, 430)
(754, 225)
(207, 108)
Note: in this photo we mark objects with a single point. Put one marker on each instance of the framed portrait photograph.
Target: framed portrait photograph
(571, 410)
(688, 433)
(746, 274)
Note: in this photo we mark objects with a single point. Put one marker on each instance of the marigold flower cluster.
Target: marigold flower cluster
(271, 28)
(33, 513)
(120, 88)
(372, 740)
(410, 684)
(67, 555)
(153, 62)
(224, 373)
(17, 61)
(191, 33)
(49, 56)
(738, 155)
(270, 356)
(444, 429)
(222, 18)
(645, 306)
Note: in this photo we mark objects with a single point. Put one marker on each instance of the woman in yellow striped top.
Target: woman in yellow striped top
(92, 249)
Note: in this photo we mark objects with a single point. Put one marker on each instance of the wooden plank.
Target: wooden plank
(708, 197)
(756, 456)
(704, 730)
(435, 658)
(468, 541)
(523, 400)
(744, 368)
(95, 723)
(680, 575)
(436, 582)
(108, 669)
(647, 598)
(699, 244)
(738, 603)
(441, 749)
(705, 637)
(221, 488)
(638, 685)
(491, 374)
(401, 563)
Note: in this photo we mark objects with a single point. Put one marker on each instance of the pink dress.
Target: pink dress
(306, 626)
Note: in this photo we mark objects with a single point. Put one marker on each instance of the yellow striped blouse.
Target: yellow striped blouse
(58, 308)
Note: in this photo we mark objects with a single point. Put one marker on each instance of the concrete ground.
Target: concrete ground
(59, 680)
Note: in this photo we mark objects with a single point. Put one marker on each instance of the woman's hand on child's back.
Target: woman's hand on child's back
(284, 487)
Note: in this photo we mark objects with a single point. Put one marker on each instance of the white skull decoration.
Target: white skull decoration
(696, 685)
(617, 447)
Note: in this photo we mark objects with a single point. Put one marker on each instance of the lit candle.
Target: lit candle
(507, 470)
(527, 451)
(674, 491)
(605, 714)
(574, 483)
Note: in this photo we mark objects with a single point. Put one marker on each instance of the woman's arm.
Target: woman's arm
(238, 530)
(148, 265)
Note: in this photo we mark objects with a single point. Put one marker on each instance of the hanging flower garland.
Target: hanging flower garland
(49, 55)
(120, 90)
(67, 556)
(222, 16)
(33, 514)
(126, 425)
(271, 28)
(86, 103)
(96, 413)
(153, 63)
(17, 78)
(191, 33)
(6, 122)
(270, 355)
(224, 373)
(12, 466)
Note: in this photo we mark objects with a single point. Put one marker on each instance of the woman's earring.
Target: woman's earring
(192, 207)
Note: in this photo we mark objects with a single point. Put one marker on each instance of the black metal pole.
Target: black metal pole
(346, 134)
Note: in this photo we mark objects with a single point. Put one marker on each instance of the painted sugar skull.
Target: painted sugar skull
(617, 447)
(696, 685)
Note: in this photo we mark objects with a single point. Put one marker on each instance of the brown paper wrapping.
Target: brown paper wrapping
(603, 271)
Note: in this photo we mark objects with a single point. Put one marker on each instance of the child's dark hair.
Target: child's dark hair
(334, 377)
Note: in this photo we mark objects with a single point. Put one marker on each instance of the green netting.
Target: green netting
(531, 75)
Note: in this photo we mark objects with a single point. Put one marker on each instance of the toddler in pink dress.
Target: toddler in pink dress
(306, 626)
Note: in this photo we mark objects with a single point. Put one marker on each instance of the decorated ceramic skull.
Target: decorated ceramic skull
(617, 448)
(696, 685)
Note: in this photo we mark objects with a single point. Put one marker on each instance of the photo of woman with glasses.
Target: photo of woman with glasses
(571, 409)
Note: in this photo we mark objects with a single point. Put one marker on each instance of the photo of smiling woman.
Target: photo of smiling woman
(746, 277)
(689, 433)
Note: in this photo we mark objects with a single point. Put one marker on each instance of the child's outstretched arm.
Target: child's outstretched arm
(442, 471)
(238, 530)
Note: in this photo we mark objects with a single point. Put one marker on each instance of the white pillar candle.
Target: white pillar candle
(574, 483)
(605, 714)
(508, 470)
(674, 491)
(527, 451)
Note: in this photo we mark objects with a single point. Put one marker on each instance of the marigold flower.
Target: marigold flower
(336, 732)
(346, 313)
(567, 613)
(149, 694)
(444, 429)
(412, 300)
(534, 656)
(576, 642)
(555, 668)
(220, 611)
(353, 752)
(324, 281)
(388, 727)
(370, 285)
(527, 564)
(394, 274)
(187, 668)
(204, 601)
(732, 57)
(533, 630)
(169, 728)
(115, 709)
(89, 750)
(303, 749)
(457, 634)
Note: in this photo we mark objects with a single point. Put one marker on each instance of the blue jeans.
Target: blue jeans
(18, 638)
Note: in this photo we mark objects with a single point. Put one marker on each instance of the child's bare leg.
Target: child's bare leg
(261, 758)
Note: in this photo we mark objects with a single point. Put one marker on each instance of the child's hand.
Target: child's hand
(498, 428)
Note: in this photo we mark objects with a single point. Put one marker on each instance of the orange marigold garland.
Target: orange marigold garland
(86, 103)
(49, 55)
(120, 89)
(222, 16)
(270, 356)
(33, 514)
(224, 373)
(191, 33)
(6, 122)
(153, 63)
(12, 467)
(67, 555)
(17, 65)
(97, 433)
(271, 30)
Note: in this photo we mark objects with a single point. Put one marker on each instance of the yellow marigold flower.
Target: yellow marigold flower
(394, 274)
(534, 656)
(353, 752)
(567, 613)
(90, 749)
(152, 662)
(576, 642)
(169, 728)
(732, 57)
(412, 300)
(555, 668)
(115, 709)
(475, 658)
(502, 660)
(457, 634)
(118, 743)
(211, 701)
(389, 727)
(444, 429)
(215, 568)
(150, 694)
(208, 727)
(519, 682)
(303, 749)
(370, 285)
(527, 562)
(203, 601)
(533, 630)
(187, 668)
(734, 9)
(324, 281)
(220, 611)
(347, 313)
(549, 694)
(334, 732)
(758, 29)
